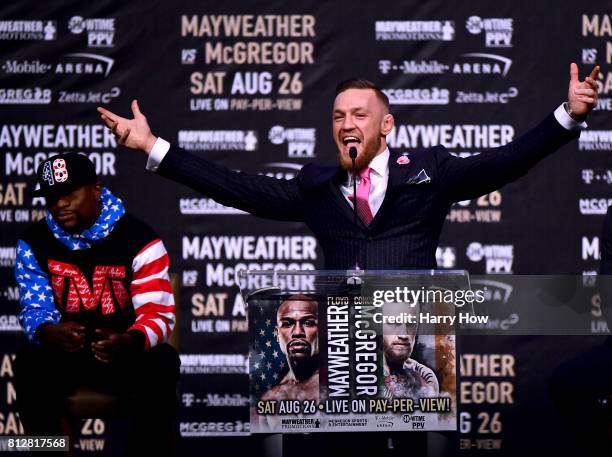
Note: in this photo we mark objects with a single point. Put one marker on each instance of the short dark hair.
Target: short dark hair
(357, 83)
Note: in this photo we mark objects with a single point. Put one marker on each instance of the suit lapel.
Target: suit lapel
(340, 200)
(398, 175)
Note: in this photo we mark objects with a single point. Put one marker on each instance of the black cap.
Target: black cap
(63, 173)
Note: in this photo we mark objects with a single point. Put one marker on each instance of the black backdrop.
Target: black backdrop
(250, 85)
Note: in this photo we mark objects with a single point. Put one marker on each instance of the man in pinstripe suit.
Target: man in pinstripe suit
(402, 199)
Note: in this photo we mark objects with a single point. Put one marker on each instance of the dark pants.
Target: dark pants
(145, 384)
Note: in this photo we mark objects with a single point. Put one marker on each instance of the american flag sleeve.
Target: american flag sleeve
(35, 294)
(152, 294)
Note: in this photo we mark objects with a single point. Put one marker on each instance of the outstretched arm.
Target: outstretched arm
(478, 175)
(261, 196)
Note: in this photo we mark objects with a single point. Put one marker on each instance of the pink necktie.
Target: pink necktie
(363, 191)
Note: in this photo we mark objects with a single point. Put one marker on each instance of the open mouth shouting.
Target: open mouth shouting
(350, 141)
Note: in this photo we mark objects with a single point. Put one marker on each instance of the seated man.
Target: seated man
(97, 306)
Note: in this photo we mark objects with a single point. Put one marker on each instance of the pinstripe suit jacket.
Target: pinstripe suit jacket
(405, 231)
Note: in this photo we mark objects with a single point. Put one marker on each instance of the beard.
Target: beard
(370, 150)
(397, 353)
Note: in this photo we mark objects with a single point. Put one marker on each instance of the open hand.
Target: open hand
(133, 133)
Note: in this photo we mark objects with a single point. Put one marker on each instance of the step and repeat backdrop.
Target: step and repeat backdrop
(250, 85)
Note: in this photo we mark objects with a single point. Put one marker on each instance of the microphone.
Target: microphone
(353, 156)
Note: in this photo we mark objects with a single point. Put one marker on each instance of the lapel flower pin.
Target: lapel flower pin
(403, 159)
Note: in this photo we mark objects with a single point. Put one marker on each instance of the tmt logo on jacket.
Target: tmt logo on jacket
(108, 288)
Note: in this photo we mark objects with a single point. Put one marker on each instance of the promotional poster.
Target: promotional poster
(351, 362)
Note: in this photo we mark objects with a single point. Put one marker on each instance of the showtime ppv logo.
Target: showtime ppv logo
(433, 96)
(300, 141)
(498, 31)
(414, 30)
(100, 32)
(595, 140)
(28, 30)
(218, 140)
(498, 257)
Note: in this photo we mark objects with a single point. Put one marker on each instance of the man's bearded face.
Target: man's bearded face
(360, 120)
(399, 338)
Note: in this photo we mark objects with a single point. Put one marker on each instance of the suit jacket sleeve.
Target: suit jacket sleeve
(471, 177)
(261, 196)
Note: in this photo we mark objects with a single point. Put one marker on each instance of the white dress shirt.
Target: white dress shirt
(379, 177)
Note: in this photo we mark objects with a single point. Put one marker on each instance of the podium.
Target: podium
(353, 351)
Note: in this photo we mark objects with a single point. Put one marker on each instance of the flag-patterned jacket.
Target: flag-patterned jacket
(112, 275)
